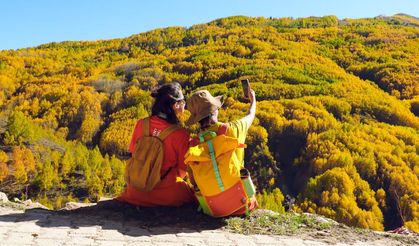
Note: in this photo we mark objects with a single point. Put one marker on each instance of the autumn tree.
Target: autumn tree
(4, 170)
(19, 129)
(23, 163)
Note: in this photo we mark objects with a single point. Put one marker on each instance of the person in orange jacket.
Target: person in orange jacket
(172, 189)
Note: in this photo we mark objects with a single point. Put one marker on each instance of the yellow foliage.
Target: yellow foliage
(329, 111)
(271, 200)
(4, 158)
(4, 171)
(380, 196)
(272, 182)
(116, 138)
(23, 163)
(412, 225)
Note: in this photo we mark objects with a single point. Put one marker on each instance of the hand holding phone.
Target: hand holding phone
(246, 87)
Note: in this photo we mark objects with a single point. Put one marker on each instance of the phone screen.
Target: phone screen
(246, 86)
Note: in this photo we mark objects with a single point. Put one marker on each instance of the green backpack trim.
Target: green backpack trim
(203, 204)
(213, 160)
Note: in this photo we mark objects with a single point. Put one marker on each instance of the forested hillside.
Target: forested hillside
(337, 123)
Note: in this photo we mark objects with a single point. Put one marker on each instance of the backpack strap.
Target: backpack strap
(146, 126)
(215, 165)
(203, 134)
(166, 132)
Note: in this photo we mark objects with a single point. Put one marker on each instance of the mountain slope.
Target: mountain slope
(336, 125)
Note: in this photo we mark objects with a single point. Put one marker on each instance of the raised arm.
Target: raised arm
(252, 109)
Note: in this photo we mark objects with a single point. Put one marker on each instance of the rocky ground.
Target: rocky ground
(111, 223)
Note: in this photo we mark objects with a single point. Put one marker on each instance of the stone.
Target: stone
(320, 219)
(263, 212)
(29, 204)
(76, 205)
(3, 197)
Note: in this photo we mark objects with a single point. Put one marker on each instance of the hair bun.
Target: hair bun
(154, 94)
(155, 91)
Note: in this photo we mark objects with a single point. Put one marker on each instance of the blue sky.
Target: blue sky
(30, 23)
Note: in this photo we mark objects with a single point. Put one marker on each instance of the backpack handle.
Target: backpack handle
(146, 126)
(166, 132)
(202, 135)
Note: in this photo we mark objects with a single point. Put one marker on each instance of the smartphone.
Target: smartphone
(246, 86)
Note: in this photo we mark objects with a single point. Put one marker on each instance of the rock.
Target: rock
(322, 234)
(3, 197)
(262, 212)
(320, 219)
(29, 204)
(101, 199)
(76, 205)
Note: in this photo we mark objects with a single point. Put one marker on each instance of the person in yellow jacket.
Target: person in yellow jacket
(204, 110)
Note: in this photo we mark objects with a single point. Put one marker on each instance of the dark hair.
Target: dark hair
(166, 95)
(206, 122)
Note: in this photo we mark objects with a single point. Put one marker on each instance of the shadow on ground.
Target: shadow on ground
(125, 218)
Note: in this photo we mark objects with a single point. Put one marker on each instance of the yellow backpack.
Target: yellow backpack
(217, 170)
(143, 168)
